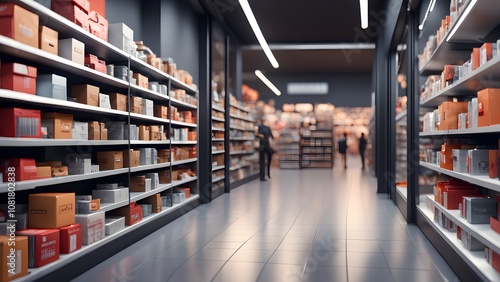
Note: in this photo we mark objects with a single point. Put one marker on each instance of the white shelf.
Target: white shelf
(179, 103)
(146, 69)
(233, 168)
(184, 181)
(483, 181)
(240, 128)
(149, 118)
(215, 168)
(239, 107)
(144, 142)
(136, 196)
(218, 152)
(184, 161)
(37, 273)
(242, 139)
(403, 191)
(218, 140)
(184, 142)
(149, 167)
(218, 119)
(32, 184)
(242, 118)
(218, 129)
(484, 129)
(401, 115)
(474, 259)
(148, 94)
(109, 207)
(242, 152)
(39, 142)
(183, 124)
(181, 85)
(217, 179)
(218, 109)
(433, 133)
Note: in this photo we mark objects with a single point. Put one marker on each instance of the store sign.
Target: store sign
(307, 88)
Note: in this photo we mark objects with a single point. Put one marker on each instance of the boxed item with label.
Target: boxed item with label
(155, 201)
(73, 50)
(43, 246)
(25, 169)
(155, 180)
(19, 77)
(104, 101)
(59, 126)
(98, 25)
(487, 100)
(448, 114)
(140, 184)
(161, 111)
(144, 132)
(479, 209)
(446, 160)
(141, 80)
(20, 253)
(70, 238)
(52, 86)
(51, 210)
(92, 227)
(136, 105)
(74, 10)
(17, 122)
(477, 162)
(115, 130)
(86, 94)
(146, 156)
(118, 101)
(111, 195)
(121, 36)
(79, 164)
(131, 158)
(147, 107)
(186, 191)
(110, 160)
(132, 213)
(114, 224)
(19, 24)
(80, 130)
(469, 242)
(49, 40)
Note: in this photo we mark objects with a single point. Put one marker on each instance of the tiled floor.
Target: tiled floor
(302, 225)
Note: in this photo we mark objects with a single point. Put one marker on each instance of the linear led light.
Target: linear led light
(363, 7)
(462, 19)
(433, 3)
(258, 33)
(429, 9)
(266, 81)
(306, 47)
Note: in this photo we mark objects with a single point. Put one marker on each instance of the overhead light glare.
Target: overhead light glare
(363, 7)
(462, 19)
(258, 33)
(433, 3)
(267, 82)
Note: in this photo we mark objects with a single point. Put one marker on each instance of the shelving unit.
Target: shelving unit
(316, 148)
(289, 149)
(218, 182)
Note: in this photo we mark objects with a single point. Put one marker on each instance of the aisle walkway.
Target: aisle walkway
(308, 225)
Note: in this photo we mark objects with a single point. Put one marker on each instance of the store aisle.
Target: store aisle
(307, 225)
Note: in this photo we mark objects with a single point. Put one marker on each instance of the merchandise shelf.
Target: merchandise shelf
(136, 196)
(218, 152)
(218, 140)
(149, 167)
(184, 142)
(218, 129)
(484, 129)
(181, 85)
(218, 109)
(184, 181)
(183, 124)
(138, 65)
(241, 139)
(113, 206)
(242, 118)
(215, 168)
(148, 118)
(39, 142)
(148, 94)
(240, 128)
(403, 191)
(217, 179)
(179, 103)
(233, 153)
(401, 115)
(236, 167)
(184, 161)
(144, 142)
(239, 107)
(433, 133)
(218, 119)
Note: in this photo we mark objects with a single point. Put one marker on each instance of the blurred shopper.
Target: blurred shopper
(362, 147)
(264, 133)
(343, 149)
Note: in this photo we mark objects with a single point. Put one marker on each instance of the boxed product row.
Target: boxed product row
(471, 159)
(243, 124)
(183, 134)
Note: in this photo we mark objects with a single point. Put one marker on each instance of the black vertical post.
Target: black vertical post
(393, 96)
(205, 114)
(227, 184)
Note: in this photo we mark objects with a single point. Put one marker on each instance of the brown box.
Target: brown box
(175, 175)
(49, 40)
(94, 130)
(150, 59)
(487, 100)
(86, 94)
(104, 131)
(493, 163)
(448, 113)
(155, 201)
(192, 152)
(136, 105)
(131, 159)
(144, 132)
(161, 111)
(110, 160)
(118, 101)
(446, 161)
(59, 125)
(138, 183)
(154, 133)
(43, 172)
(60, 171)
(20, 265)
(192, 136)
(19, 24)
(141, 80)
(95, 204)
(51, 210)
(164, 177)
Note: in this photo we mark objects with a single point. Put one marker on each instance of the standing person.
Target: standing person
(343, 149)
(362, 147)
(264, 133)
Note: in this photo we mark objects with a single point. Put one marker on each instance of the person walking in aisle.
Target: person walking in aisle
(343, 149)
(362, 147)
(264, 133)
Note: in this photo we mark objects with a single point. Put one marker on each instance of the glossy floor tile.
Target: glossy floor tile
(301, 225)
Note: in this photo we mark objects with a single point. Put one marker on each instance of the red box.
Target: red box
(493, 163)
(93, 62)
(452, 195)
(73, 11)
(70, 238)
(82, 4)
(17, 122)
(132, 213)
(98, 25)
(25, 169)
(43, 246)
(19, 77)
(495, 224)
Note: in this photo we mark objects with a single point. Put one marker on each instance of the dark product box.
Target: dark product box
(49, 40)
(131, 158)
(59, 126)
(93, 62)
(51, 210)
(118, 101)
(98, 25)
(70, 238)
(478, 210)
(132, 213)
(121, 72)
(79, 163)
(86, 94)
(21, 255)
(114, 224)
(110, 160)
(43, 246)
(74, 10)
(52, 86)
(92, 227)
(73, 50)
(19, 24)
(17, 122)
(25, 169)
(19, 77)
(115, 130)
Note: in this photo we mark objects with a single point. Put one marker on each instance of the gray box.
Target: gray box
(154, 86)
(79, 164)
(471, 243)
(121, 36)
(134, 132)
(72, 50)
(104, 101)
(121, 71)
(52, 86)
(111, 196)
(479, 210)
(113, 224)
(154, 156)
(459, 160)
(94, 168)
(115, 130)
(146, 156)
(83, 207)
(478, 162)
(163, 89)
(155, 180)
(80, 130)
(109, 186)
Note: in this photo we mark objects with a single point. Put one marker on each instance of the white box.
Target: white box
(72, 50)
(478, 162)
(121, 36)
(134, 132)
(155, 180)
(459, 160)
(146, 156)
(109, 186)
(148, 107)
(80, 130)
(94, 168)
(113, 224)
(92, 226)
(147, 184)
(52, 86)
(79, 164)
(154, 156)
(184, 134)
(177, 134)
(111, 196)
(163, 89)
(154, 86)
(104, 101)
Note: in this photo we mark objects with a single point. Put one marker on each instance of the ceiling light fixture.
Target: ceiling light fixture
(267, 82)
(363, 7)
(461, 20)
(258, 33)
(433, 3)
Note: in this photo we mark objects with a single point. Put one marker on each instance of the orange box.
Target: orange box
(136, 105)
(141, 80)
(20, 265)
(144, 132)
(487, 100)
(161, 111)
(485, 53)
(94, 130)
(49, 40)
(104, 131)
(86, 94)
(448, 113)
(43, 172)
(131, 159)
(118, 101)
(59, 126)
(192, 136)
(475, 58)
(493, 163)
(495, 224)
(110, 160)
(446, 160)
(132, 213)
(154, 133)
(19, 77)
(192, 152)
(51, 210)
(19, 24)
(155, 201)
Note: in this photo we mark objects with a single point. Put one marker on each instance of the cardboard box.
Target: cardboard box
(52, 86)
(49, 40)
(164, 177)
(43, 246)
(74, 10)
(94, 130)
(192, 136)
(19, 24)
(493, 163)
(70, 238)
(138, 184)
(43, 172)
(19, 263)
(25, 169)
(110, 160)
(132, 213)
(144, 132)
(155, 201)
(486, 53)
(121, 36)
(477, 162)
(136, 105)
(161, 111)
(72, 50)
(488, 99)
(60, 171)
(19, 77)
(118, 101)
(86, 94)
(111, 195)
(79, 163)
(448, 114)
(104, 131)
(98, 25)
(186, 191)
(495, 224)
(141, 80)
(59, 126)
(446, 160)
(51, 210)
(114, 224)
(92, 227)
(131, 158)
(80, 130)
(17, 122)
(155, 134)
